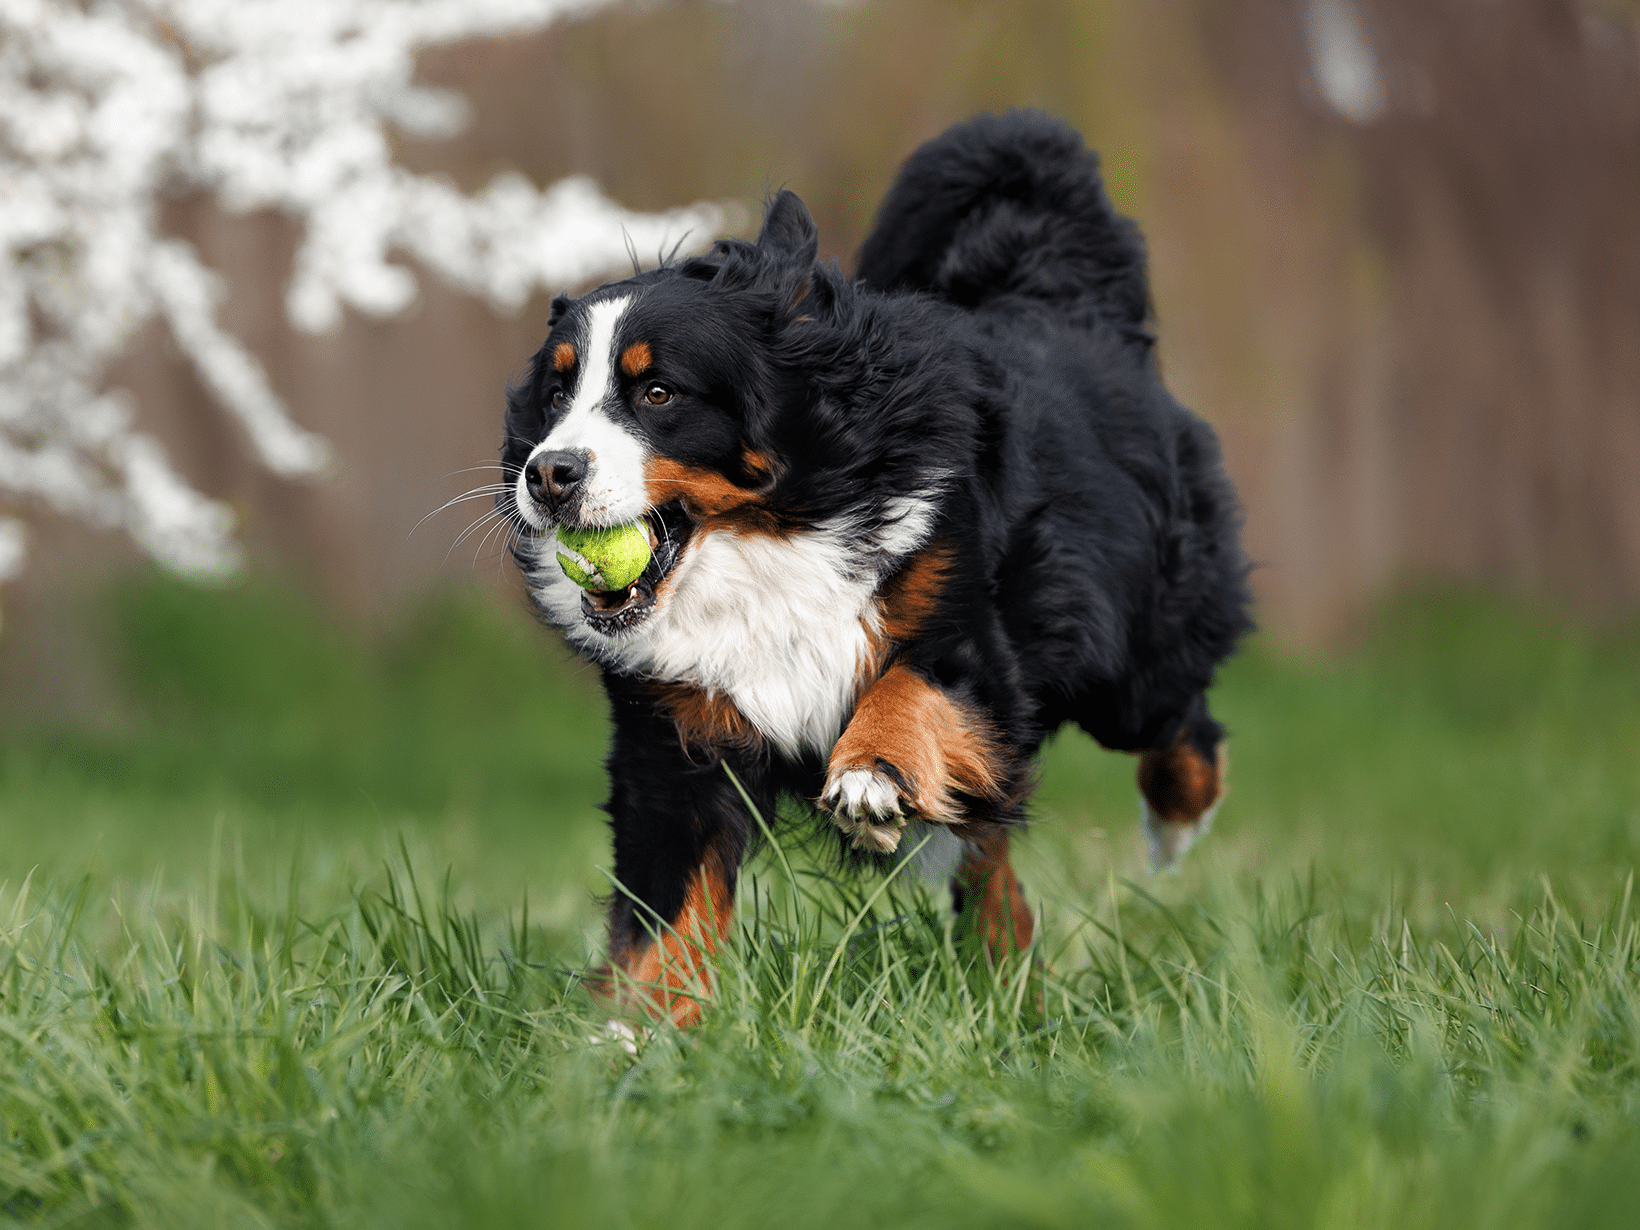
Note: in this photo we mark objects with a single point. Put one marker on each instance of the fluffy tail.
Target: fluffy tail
(1010, 206)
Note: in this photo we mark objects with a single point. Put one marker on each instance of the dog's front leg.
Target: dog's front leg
(912, 750)
(680, 829)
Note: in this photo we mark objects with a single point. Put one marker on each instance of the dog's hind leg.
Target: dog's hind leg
(1004, 920)
(1182, 784)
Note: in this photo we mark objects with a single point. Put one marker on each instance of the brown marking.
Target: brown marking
(931, 744)
(704, 719)
(904, 603)
(908, 597)
(709, 497)
(636, 359)
(1179, 782)
(759, 465)
(873, 659)
(563, 357)
(668, 978)
(1005, 921)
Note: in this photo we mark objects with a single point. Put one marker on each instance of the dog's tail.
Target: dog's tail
(1010, 206)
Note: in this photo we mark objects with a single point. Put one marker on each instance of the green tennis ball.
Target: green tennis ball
(603, 560)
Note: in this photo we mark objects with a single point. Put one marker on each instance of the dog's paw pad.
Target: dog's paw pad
(868, 806)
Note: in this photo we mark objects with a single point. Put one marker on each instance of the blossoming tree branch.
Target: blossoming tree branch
(109, 107)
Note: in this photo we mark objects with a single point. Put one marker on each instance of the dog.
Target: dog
(903, 528)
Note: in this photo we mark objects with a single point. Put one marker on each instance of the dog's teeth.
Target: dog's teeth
(633, 592)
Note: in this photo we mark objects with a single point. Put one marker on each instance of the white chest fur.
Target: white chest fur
(778, 625)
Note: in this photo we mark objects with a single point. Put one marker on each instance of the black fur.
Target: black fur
(996, 335)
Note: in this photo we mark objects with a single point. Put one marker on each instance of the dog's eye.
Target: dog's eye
(657, 395)
(558, 399)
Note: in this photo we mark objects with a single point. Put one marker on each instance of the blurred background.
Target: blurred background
(1395, 250)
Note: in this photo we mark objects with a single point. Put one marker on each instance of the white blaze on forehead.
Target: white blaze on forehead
(614, 492)
(597, 382)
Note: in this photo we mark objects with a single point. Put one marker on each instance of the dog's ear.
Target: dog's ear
(788, 229)
(560, 305)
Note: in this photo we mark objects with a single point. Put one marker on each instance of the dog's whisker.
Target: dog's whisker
(477, 493)
(488, 534)
(478, 550)
(448, 504)
(471, 529)
(509, 543)
(492, 465)
(495, 514)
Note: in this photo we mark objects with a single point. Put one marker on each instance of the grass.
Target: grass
(298, 942)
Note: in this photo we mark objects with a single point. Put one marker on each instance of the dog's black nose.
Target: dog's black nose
(555, 478)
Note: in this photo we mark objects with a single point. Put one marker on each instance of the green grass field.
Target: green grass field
(295, 940)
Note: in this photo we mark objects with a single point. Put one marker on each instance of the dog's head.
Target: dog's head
(749, 395)
(655, 399)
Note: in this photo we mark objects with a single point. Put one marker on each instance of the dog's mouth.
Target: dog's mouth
(618, 610)
(621, 610)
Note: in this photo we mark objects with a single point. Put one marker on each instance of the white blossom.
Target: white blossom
(109, 106)
(1345, 66)
(12, 547)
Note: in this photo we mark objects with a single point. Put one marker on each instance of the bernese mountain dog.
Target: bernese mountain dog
(903, 527)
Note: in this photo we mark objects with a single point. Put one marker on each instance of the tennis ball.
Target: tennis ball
(603, 559)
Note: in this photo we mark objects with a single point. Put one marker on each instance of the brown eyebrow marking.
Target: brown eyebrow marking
(563, 357)
(636, 359)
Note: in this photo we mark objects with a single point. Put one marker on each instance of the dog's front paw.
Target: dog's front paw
(868, 805)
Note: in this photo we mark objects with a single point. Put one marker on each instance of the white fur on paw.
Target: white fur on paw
(1169, 841)
(863, 795)
(866, 805)
(627, 1036)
